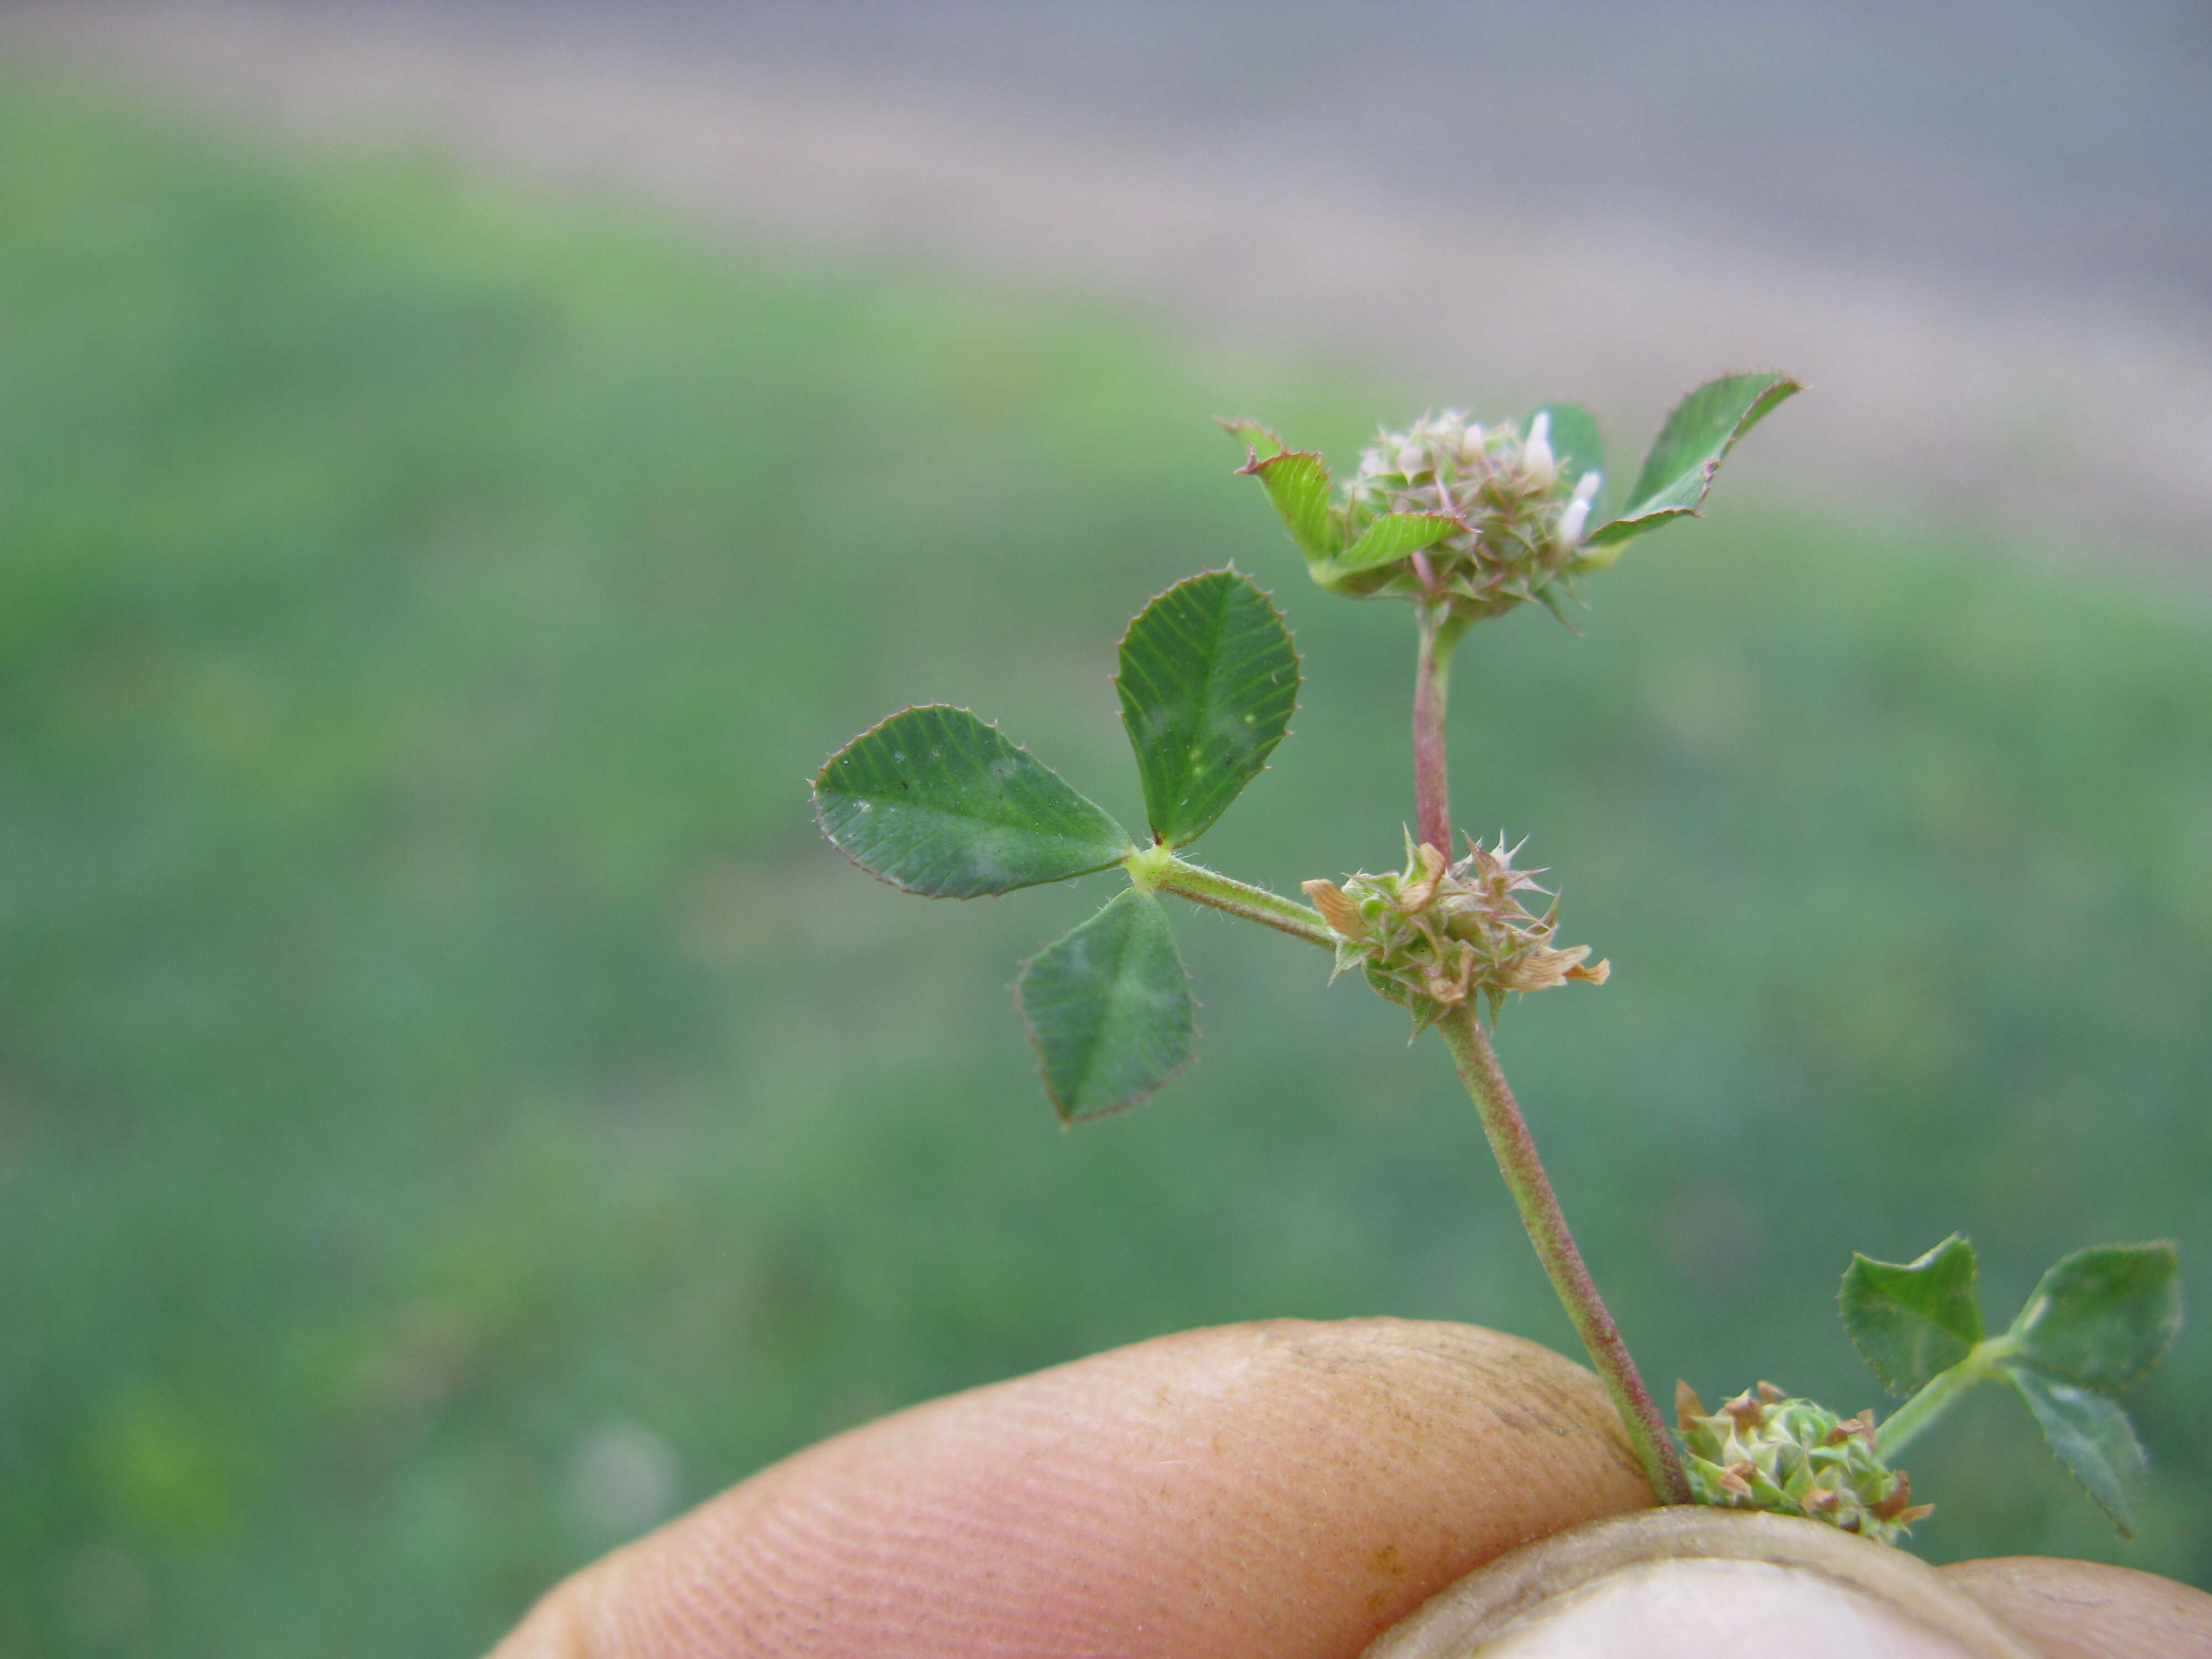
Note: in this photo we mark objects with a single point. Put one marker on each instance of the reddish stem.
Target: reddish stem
(1515, 1151)
(1440, 632)
(1506, 1129)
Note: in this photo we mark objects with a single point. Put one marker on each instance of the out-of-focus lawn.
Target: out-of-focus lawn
(451, 1106)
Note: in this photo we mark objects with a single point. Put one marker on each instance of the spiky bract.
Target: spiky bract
(1434, 934)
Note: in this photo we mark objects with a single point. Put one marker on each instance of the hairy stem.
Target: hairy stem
(1203, 886)
(1440, 631)
(1515, 1151)
(1941, 1392)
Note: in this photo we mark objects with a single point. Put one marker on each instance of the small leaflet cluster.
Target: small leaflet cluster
(1478, 519)
(937, 802)
(2098, 1320)
(1764, 1451)
(1434, 934)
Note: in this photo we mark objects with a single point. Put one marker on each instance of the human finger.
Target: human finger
(1275, 1491)
(2086, 1610)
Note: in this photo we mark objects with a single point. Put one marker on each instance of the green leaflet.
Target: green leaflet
(1687, 454)
(1109, 1009)
(1912, 1320)
(1391, 538)
(1209, 681)
(1298, 483)
(2102, 1317)
(2089, 1434)
(935, 801)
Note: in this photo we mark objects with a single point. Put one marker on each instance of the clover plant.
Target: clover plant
(1465, 522)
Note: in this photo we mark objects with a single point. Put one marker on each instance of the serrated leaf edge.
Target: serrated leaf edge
(1629, 524)
(1297, 667)
(1256, 465)
(2124, 1522)
(1068, 1119)
(814, 800)
(2172, 1336)
(1882, 1375)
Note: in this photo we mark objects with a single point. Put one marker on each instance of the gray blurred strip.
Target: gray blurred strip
(1982, 233)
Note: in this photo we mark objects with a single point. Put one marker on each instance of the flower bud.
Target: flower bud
(1575, 518)
(1536, 452)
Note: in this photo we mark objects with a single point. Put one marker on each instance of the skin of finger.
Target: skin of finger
(1276, 1490)
(2085, 1610)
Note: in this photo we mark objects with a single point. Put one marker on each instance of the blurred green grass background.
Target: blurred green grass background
(454, 1109)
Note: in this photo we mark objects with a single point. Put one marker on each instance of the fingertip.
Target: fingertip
(2086, 1610)
(1282, 1489)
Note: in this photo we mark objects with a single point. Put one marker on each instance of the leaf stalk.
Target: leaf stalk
(1942, 1392)
(1203, 886)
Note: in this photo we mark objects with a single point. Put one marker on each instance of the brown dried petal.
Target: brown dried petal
(1861, 1425)
(1416, 894)
(1539, 969)
(1899, 1499)
(1339, 912)
(1688, 1408)
(1745, 1412)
